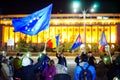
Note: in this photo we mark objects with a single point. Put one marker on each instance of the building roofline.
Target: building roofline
(65, 15)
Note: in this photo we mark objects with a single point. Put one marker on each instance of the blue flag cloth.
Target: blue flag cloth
(77, 43)
(57, 40)
(103, 41)
(34, 23)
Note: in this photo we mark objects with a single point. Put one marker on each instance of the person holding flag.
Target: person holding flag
(76, 44)
(61, 59)
(102, 44)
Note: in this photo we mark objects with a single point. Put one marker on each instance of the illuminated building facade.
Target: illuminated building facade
(68, 26)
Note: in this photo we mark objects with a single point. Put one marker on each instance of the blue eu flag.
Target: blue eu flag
(77, 43)
(34, 23)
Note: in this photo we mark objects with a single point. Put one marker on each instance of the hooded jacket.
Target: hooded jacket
(27, 71)
(78, 69)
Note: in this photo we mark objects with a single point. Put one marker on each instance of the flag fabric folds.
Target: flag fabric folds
(77, 43)
(101, 48)
(34, 23)
(57, 40)
(54, 42)
(103, 42)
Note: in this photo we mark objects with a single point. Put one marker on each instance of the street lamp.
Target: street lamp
(76, 5)
(84, 17)
(84, 12)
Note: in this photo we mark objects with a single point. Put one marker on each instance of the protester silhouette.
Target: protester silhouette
(61, 59)
(84, 64)
(49, 71)
(27, 71)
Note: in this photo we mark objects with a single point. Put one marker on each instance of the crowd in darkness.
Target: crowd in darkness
(24, 68)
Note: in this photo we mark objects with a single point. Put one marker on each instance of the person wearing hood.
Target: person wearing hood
(84, 63)
(44, 65)
(50, 71)
(27, 71)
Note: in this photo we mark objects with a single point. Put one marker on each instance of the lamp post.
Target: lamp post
(84, 12)
(84, 17)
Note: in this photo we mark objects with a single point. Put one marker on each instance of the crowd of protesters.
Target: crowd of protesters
(24, 68)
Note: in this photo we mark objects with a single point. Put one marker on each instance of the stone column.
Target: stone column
(1, 35)
(118, 33)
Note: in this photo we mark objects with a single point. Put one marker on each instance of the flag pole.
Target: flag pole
(57, 42)
(44, 51)
(58, 49)
(109, 54)
(79, 50)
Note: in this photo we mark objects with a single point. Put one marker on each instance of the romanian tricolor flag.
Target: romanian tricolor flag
(54, 42)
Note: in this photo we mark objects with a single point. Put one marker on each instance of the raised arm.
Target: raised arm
(57, 55)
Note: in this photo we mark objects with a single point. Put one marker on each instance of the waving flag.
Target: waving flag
(77, 43)
(54, 42)
(33, 23)
(57, 40)
(103, 42)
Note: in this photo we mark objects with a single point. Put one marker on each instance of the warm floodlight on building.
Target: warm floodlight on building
(99, 17)
(112, 46)
(105, 17)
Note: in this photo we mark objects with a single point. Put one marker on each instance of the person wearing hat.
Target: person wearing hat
(50, 71)
(27, 71)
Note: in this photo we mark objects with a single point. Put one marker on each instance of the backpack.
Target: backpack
(17, 63)
(85, 74)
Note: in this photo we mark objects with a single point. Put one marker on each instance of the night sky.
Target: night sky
(59, 6)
